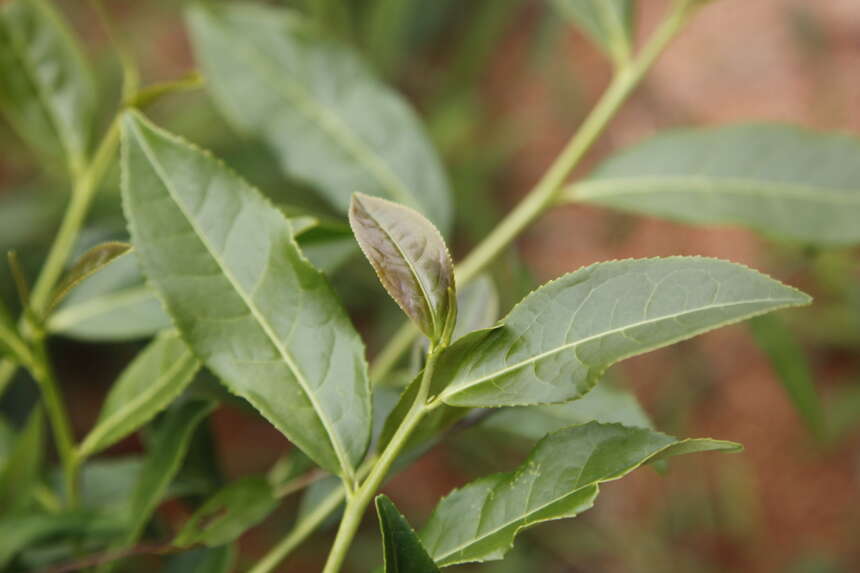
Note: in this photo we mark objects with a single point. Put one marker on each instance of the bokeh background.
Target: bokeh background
(501, 85)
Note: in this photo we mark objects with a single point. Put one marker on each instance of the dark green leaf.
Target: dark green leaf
(401, 548)
(148, 385)
(89, 264)
(557, 342)
(204, 560)
(243, 296)
(783, 181)
(331, 122)
(229, 513)
(559, 479)
(20, 471)
(164, 456)
(411, 260)
(609, 23)
(792, 369)
(46, 88)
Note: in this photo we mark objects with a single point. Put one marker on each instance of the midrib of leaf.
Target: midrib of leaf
(415, 274)
(27, 65)
(334, 438)
(113, 419)
(620, 473)
(461, 388)
(328, 122)
(610, 186)
(75, 313)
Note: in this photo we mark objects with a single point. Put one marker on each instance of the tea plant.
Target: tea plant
(237, 285)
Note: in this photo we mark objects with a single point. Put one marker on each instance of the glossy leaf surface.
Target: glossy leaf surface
(87, 265)
(249, 304)
(559, 479)
(46, 88)
(229, 513)
(609, 23)
(147, 386)
(558, 341)
(411, 260)
(329, 120)
(783, 181)
(401, 548)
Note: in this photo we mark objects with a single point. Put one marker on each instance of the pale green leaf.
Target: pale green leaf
(401, 548)
(786, 182)
(329, 120)
(148, 385)
(606, 403)
(609, 23)
(21, 468)
(235, 508)
(46, 87)
(87, 265)
(477, 306)
(411, 260)
(559, 479)
(558, 341)
(789, 363)
(165, 453)
(243, 296)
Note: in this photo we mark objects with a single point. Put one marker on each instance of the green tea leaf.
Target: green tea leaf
(89, 264)
(112, 305)
(783, 181)
(792, 369)
(148, 385)
(411, 260)
(559, 479)
(606, 403)
(477, 306)
(164, 456)
(203, 560)
(558, 341)
(401, 547)
(243, 296)
(46, 86)
(235, 508)
(609, 23)
(21, 468)
(330, 121)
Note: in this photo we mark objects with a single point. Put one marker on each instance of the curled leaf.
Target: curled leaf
(411, 259)
(89, 264)
(401, 547)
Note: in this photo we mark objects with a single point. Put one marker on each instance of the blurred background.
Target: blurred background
(501, 85)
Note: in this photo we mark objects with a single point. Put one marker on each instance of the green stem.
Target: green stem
(130, 73)
(84, 190)
(545, 193)
(357, 504)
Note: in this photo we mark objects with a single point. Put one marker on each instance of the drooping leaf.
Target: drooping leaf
(148, 385)
(558, 341)
(606, 403)
(245, 299)
(203, 560)
(230, 512)
(559, 479)
(609, 23)
(789, 363)
(401, 548)
(330, 121)
(21, 469)
(112, 305)
(411, 260)
(783, 181)
(46, 87)
(165, 453)
(89, 264)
